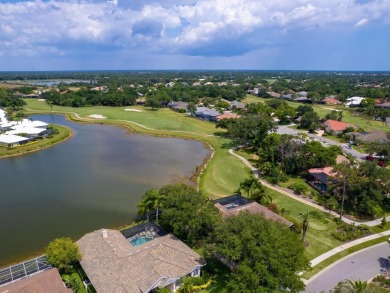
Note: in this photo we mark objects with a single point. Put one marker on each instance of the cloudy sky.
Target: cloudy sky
(195, 34)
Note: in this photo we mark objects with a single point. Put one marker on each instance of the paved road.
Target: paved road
(363, 265)
(284, 129)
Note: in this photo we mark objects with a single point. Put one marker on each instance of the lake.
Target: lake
(91, 181)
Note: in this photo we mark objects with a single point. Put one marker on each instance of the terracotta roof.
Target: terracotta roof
(235, 204)
(340, 159)
(113, 265)
(228, 116)
(327, 170)
(331, 101)
(48, 281)
(335, 125)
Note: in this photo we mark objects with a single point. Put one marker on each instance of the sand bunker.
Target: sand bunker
(97, 116)
(133, 110)
(41, 100)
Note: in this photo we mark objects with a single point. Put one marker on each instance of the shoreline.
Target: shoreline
(41, 147)
(128, 127)
(131, 127)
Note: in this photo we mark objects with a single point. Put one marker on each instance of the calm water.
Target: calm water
(91, 181)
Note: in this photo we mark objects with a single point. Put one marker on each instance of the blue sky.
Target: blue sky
(195, 34)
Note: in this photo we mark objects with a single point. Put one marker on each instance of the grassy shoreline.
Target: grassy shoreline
(64, 134)
(219, 175)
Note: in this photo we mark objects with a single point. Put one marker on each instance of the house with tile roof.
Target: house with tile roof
(319, 178)
(334, 126)
(330, 101)
(354, 102)
(137, 260)
(207, 113)
(228, 116)
(42, 282)
(235, 204)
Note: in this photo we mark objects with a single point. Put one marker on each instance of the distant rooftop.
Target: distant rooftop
(234, 204)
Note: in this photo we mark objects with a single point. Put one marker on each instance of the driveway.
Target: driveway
(364, 265)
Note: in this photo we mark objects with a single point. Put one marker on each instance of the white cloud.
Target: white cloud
(361, 22)
(53, 23)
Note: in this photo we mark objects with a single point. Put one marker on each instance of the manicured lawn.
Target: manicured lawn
(223, 173)
(340, 255)
(252, 99)
(319, 234)
(162, 119)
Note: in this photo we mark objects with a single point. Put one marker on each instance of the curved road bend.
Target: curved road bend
(364, 265)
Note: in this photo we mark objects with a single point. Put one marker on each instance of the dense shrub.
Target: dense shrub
(298, 187)
(345, 232)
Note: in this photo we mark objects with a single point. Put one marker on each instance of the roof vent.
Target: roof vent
(104, 233)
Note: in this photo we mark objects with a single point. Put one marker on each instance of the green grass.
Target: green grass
(38, 144)
(223, 173)
(340, 255)
(319, 234)
(162, 119)
(252, 99)
(377, 289)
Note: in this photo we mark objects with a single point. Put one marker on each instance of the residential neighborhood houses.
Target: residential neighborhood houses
(20, 132)
(139, 259)
(144, 258)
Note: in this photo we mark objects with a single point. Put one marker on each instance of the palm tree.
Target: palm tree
(145, 205)
(157, 200)
(255, 190)
(306, 220)
(358, 286)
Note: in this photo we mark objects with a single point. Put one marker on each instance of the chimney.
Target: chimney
(104, 232)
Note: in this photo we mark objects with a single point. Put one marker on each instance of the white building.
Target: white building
(12, 140)
(353, 102)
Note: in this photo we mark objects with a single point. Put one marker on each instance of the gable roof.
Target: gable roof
(335, 125)
(235, 204)
(113, 265)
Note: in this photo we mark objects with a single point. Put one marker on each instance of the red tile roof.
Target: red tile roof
(331, 101)
(335, 125)
(228, 116)
(327, 170)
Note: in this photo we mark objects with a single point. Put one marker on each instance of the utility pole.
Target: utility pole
(342, 198)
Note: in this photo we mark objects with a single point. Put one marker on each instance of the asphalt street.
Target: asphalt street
(363, 265)
(325, 141)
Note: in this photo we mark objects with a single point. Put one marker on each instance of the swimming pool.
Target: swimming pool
(139, 240)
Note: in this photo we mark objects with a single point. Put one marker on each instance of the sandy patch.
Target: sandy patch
(41, 100)
(133, 110)
(97, 116)
(333, 109)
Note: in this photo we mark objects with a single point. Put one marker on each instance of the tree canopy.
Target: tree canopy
(268, 255)
(62, 253)
(187, 213)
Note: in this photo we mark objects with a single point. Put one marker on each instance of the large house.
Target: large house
(354, 102)
(20, 132)
(334, 126)
(137, 260)
(369, 136)
(319, 178)
(235, 204)
(383, 106)
(207, 113)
